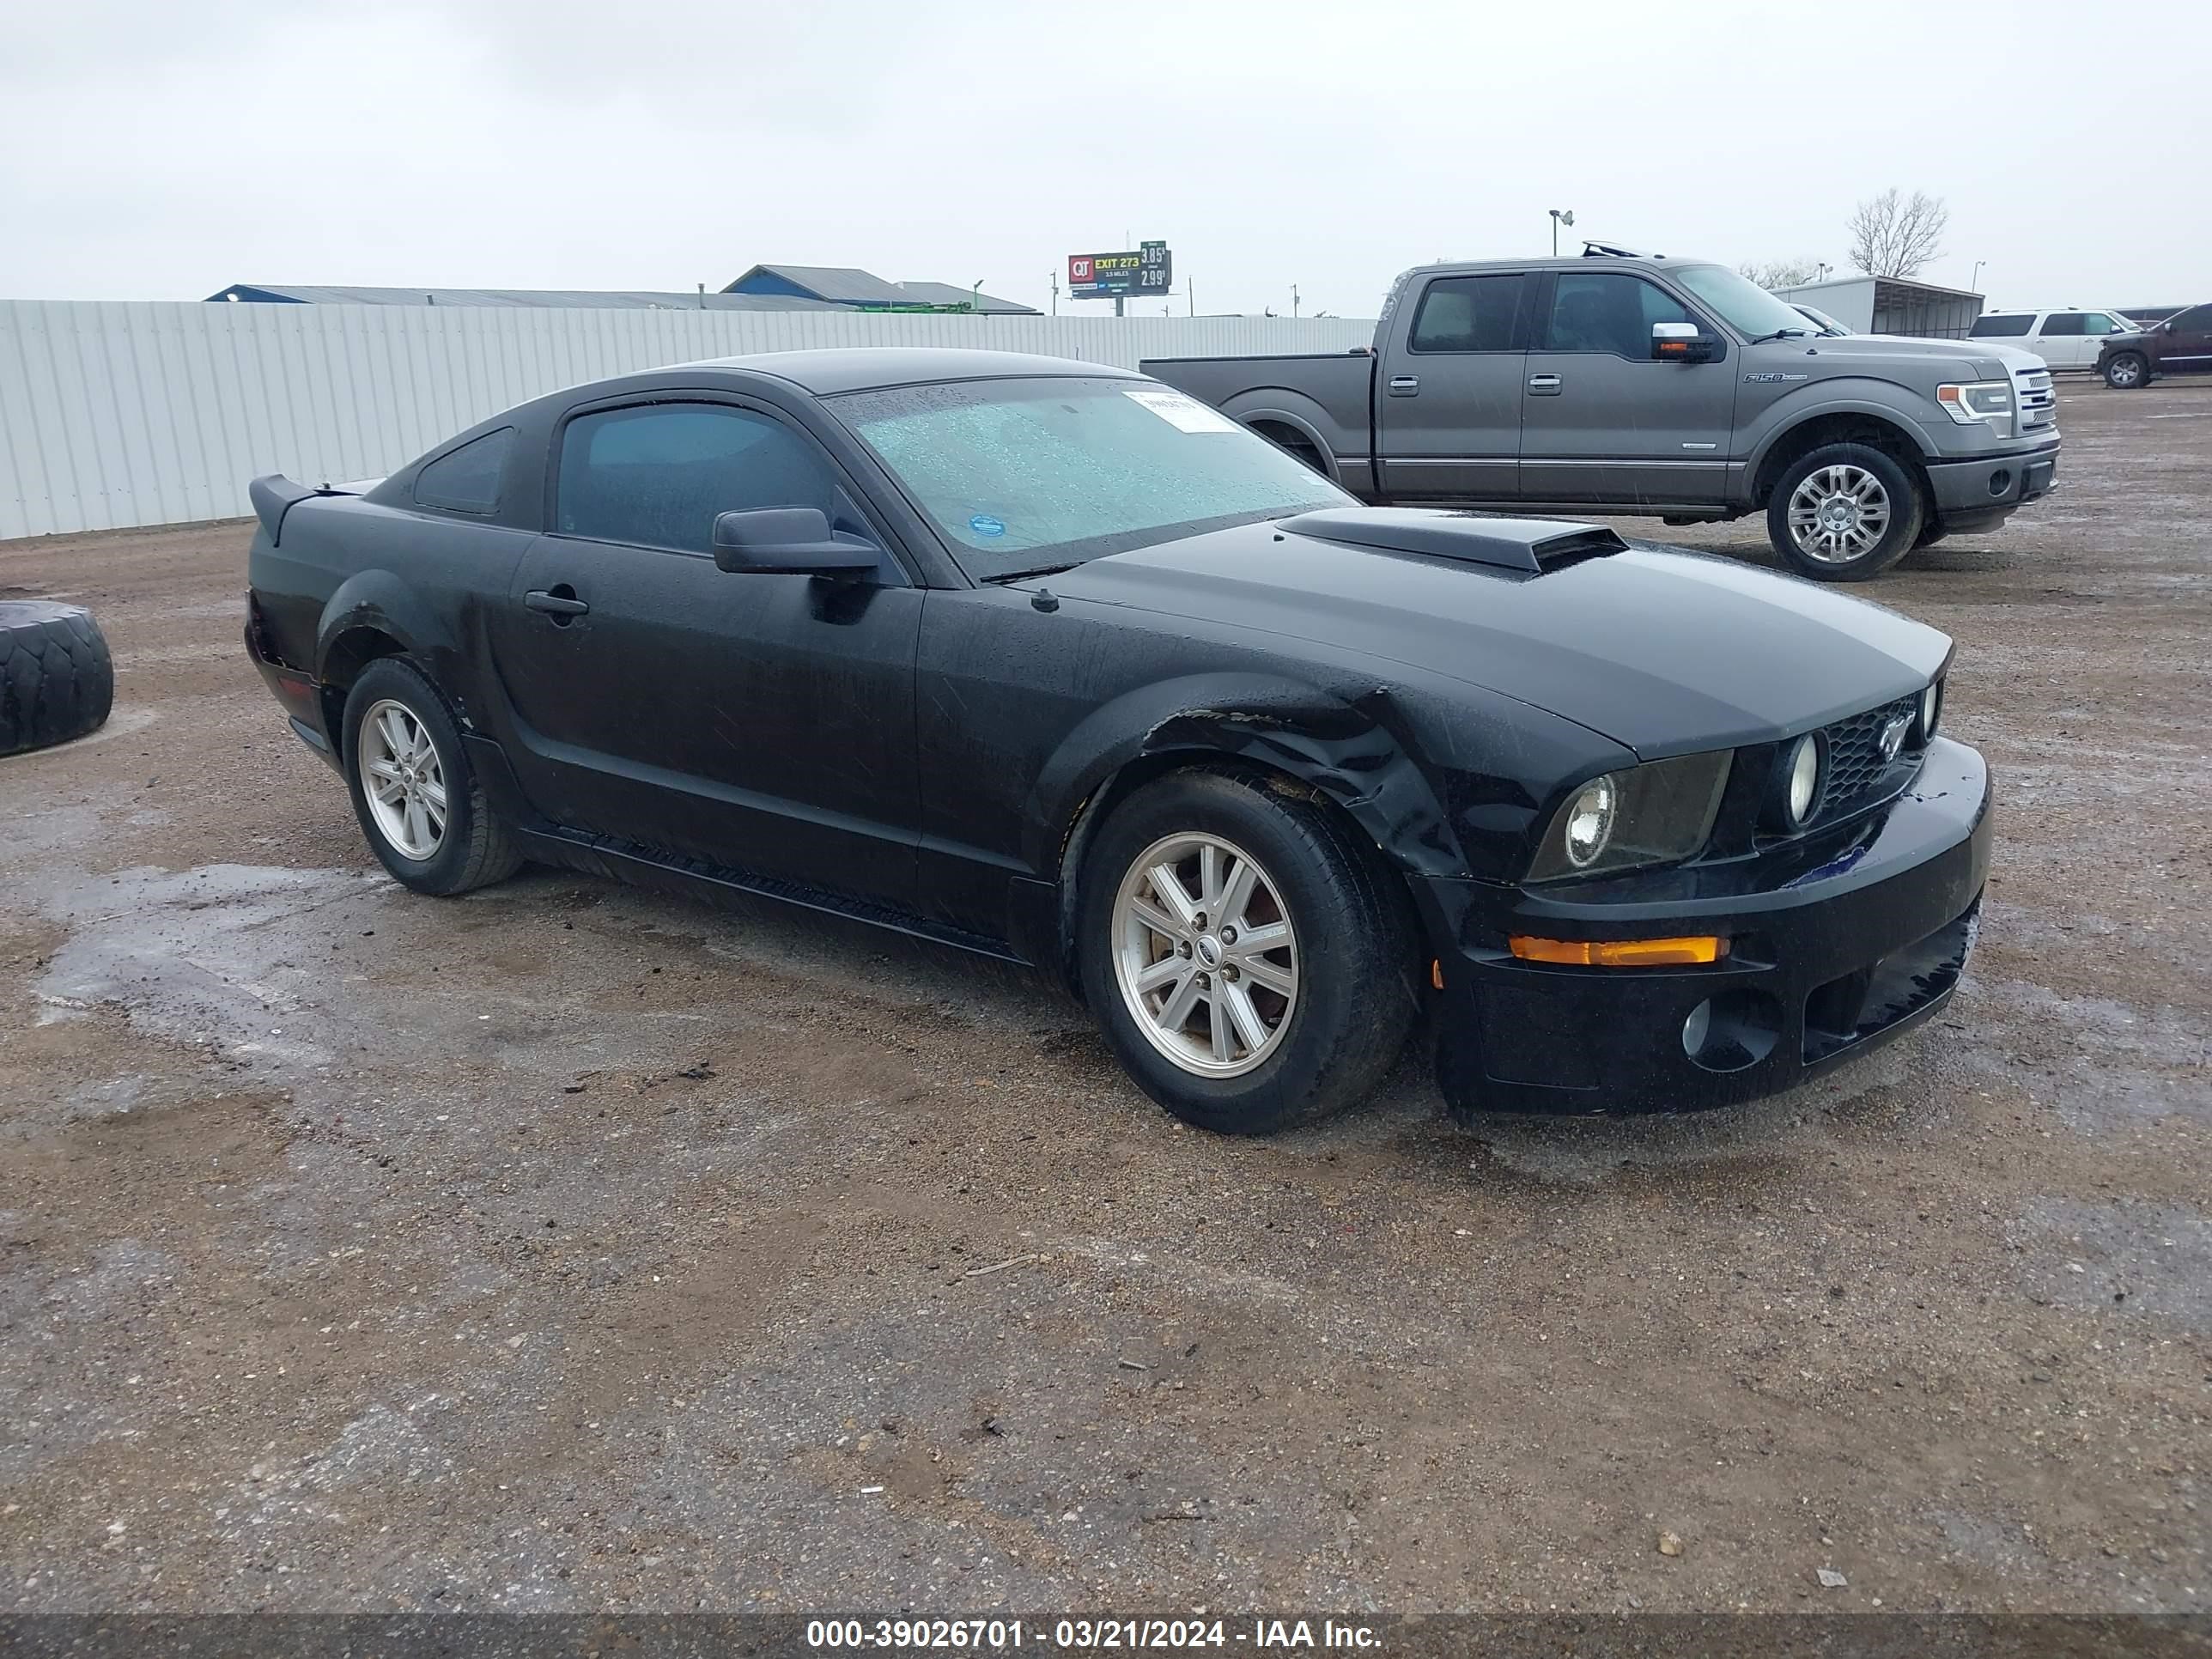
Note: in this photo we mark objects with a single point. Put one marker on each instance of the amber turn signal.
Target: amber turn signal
(1620, 953)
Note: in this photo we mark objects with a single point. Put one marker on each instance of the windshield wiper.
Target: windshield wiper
(1041, 570)
(1780, 334)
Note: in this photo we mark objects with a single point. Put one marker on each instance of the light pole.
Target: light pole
(1294, 300)
(1054, 274)
(1974, 282)
(1820, 270)
(1561, 216)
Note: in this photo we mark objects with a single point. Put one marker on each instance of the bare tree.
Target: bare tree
(1891, 236)
(1780, 273)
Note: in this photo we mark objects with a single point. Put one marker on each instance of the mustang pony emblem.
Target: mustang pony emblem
(1893, 736)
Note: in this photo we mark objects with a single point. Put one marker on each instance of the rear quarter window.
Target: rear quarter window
(1988, 328)
(467, 479)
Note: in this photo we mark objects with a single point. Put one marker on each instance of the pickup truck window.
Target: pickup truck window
(1031, 475)
(1466, 313)
(1744, 305)
(1605, 311)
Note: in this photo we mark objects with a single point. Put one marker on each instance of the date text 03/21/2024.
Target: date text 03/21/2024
(1081, 1635)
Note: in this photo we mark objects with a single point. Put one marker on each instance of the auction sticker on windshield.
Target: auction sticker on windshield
(1184, 414)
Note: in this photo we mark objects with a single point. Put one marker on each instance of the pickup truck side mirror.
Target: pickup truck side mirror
(789, 541)
(1681, 342)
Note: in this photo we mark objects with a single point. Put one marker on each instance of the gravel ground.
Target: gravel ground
(565, 1248)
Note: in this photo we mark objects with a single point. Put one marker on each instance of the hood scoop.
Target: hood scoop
(1531, 546)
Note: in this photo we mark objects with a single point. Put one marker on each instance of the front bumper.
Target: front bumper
(1984, 490)
(1838, 942)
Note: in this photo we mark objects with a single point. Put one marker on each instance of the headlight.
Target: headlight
(1589, 822)
(1982, 401)
(1657, 813)
(1932, 709)
(1804, 791)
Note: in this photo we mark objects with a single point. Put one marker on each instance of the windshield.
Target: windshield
(1028, 475)
(1744, 305)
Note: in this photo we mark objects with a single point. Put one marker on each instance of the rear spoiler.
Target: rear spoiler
(275, 495)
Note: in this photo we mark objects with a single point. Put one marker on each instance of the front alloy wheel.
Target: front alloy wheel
(1205, 954)
(1843, 513)
(1839, 513)
(1248, 953)
(2124, 373)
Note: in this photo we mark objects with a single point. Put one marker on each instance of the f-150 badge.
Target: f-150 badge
(1771, 376)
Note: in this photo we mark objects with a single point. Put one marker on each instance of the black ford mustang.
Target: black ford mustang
(1051, 662)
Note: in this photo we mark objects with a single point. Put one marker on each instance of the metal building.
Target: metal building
(1891, 305)
(855, 289)
(557, 299)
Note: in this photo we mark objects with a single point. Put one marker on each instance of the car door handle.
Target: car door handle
(563, 603)
(1543, 385)
(1405, 386)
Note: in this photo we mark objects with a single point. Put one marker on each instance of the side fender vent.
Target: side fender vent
(1531, 546)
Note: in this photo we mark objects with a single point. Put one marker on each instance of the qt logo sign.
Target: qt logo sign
(1078, 269)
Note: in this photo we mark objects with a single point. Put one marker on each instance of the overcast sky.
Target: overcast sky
(155, 150)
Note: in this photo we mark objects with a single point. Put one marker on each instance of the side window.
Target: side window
(1606, 311)
(466, 480)
(2065, 323)
(1999, 328)
(2195, 320)
(2099, 322)
(658, 475)
(1466, 313)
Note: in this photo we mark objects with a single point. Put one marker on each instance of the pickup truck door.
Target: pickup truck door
(1448, 404)
(764, 723)
(1601, 422)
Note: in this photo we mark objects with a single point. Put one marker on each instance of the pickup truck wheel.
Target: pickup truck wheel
(1247, 956)
(421, 804)
(2124, 372)
(1845, 512)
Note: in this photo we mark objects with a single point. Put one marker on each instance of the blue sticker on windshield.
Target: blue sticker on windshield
(984, 524)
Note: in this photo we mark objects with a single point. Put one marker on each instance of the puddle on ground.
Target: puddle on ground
(2113, 1062)
(2120, 1259)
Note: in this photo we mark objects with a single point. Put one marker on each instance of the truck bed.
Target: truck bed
(1321, 401)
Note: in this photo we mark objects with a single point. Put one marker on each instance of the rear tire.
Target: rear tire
(2126, 371)
(57, 679)
(1237, 1036)
(420, 802)
(1845, 512)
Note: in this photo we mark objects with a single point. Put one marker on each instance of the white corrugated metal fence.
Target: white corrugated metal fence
(159, 412)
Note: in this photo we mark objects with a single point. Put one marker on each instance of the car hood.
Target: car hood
(1665, 651)
(1987, 356)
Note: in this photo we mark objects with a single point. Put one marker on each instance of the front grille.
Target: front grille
(1857, 773)
(2038, 403)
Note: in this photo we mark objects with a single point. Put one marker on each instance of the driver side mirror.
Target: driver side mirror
(789, 541)
(1681, 342)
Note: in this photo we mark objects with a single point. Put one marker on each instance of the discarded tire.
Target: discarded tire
(57, 680)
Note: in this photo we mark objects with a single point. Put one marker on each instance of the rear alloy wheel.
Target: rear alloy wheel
(1248, 956)
(420, 802)
(1843, 514)
(2124, 371)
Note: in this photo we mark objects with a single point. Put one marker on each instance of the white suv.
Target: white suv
(2064, 339)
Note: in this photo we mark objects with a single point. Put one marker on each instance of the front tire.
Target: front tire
(1249, 960)
(2125, 371)
(1843, 514)
(420, 802)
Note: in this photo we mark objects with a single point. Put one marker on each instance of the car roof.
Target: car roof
(866, 368)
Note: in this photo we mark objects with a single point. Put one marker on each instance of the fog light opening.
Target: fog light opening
(1732, 1029)
(2000, 481)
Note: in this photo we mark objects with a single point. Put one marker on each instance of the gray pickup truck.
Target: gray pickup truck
(1636, 384)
